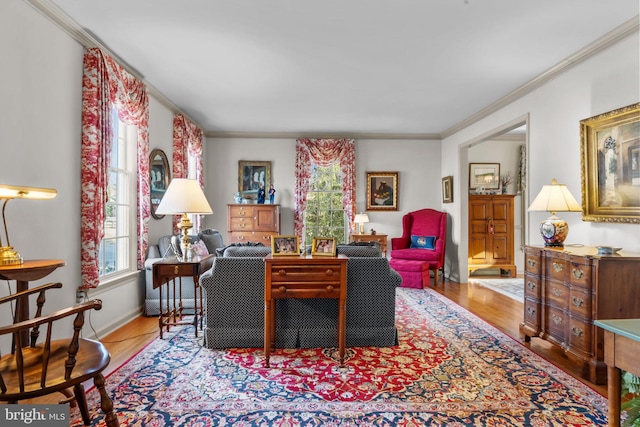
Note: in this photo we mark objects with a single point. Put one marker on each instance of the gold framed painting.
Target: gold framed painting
(610, 166)
(285, 246)
(324, 246)
(382, 191)
(252, 175)
(447, 189)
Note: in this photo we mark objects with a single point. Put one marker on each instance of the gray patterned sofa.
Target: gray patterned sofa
(235, 304)
(212, 240)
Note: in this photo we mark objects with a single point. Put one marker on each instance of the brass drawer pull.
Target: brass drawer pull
(282, 272)
(578, 302)
(531, 311)
(556, 319)
(531, 262)
(176, 269)
(531, 285)
(329, 288)
(577, 331)
(328, 272)
(557, 267)
(577, 273)
(282, 289)
(557, 292)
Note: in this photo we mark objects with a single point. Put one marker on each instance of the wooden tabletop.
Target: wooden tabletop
(30, 270)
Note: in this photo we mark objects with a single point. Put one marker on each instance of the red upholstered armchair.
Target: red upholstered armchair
(428, 230)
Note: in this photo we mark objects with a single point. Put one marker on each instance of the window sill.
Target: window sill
(114, 282)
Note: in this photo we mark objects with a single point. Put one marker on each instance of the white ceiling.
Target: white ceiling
(331, 67)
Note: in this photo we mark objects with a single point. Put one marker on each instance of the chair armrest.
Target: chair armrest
(400, 242)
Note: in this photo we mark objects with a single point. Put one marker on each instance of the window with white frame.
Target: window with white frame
(324, 216)
(117, 254)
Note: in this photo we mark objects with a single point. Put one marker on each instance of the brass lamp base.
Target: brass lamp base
(185, 225)
(8, 256)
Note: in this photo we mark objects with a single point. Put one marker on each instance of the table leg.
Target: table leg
(342, 329)
(160, 317)
(195, 302)
(268, 318)
(614, 391)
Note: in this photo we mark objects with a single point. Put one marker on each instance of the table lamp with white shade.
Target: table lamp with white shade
(183, 197)
(361, 219)
(554, 198)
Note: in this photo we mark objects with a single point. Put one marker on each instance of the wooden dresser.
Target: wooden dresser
(252, 223)
(381, 239)
(491, 233)
(566, 289)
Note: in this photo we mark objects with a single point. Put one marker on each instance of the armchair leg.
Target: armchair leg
(81, 400)
(106, 403)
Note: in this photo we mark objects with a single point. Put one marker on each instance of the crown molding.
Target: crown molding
(296, 135)
(621, 32)
(89, 40)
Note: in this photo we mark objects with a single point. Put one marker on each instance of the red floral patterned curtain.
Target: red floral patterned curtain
(187, 141)
(324, 152)
(104, 82)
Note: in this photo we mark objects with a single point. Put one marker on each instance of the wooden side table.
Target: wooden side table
(167, 271)
(621, 349)
(304, 277)
(381, 239)
(23, 274)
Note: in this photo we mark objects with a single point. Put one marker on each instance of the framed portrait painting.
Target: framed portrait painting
(610, 157)
(251, 176)
(447, 189)
(382, 191)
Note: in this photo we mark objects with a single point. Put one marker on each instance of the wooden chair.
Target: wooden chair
(41, 367)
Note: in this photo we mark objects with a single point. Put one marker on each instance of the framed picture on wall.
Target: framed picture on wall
(484, 175)
(252, 175)
(610, 157)
(447, 189)
(382, 191)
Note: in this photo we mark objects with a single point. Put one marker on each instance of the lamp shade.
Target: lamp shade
(361, 218)
(183, 196)
(554, 198)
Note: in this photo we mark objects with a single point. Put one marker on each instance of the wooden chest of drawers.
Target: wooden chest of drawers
(566, 289)
(381, 239)
(252, 223)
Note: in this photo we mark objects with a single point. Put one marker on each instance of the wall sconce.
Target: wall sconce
(554, 198)
(9, 256)
(184, 196)
(361, 219)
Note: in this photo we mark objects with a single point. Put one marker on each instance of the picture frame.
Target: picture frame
(285, 246)
(159, 178)
(484, 176)
(447, 189)
(382, 191)
(324, 246)
(610, 166)
(250, 175)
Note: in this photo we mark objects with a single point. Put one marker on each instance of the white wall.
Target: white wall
(40, 130)
(417, 161)
(604, 82)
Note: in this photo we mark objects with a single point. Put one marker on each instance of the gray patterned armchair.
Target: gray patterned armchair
(235, 304)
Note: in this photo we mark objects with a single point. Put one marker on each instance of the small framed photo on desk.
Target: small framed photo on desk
(323, 246)
(285, 245)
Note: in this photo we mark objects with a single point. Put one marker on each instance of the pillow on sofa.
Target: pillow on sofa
(423, 242)
(200, 249)
(212, 239)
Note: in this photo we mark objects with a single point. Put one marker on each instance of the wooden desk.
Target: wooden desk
(621, 350)
(167, 270)
(304, 277)
(381, 239)
(23, 274)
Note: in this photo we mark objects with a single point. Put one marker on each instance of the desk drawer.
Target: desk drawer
(177, 270)
(322, 273)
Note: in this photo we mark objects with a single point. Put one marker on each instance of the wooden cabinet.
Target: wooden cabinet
(491, 232)
(566, 289)
(252, 223)
(381, 239)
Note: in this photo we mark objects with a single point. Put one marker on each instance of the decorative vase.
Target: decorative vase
(237, 198)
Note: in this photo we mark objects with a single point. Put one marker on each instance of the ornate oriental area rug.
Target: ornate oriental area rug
(449, 369)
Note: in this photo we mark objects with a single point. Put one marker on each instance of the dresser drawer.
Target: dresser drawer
(580, 275)
(532, 313)
(532, 261)
(236, 211)
(580, 337)
(313, 274)
(250, 236)
(580, 303)
(532, 286)
(556, 294)
(555, 324)
(557, 268)
(240, 224)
